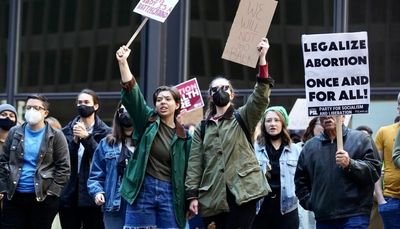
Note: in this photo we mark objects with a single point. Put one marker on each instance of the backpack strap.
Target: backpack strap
(238, 119)
(241, 124)
(202, 129)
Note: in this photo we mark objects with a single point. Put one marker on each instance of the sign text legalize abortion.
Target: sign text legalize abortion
(336, 73)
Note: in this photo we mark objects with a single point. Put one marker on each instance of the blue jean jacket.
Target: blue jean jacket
(288, 164)
(103, 177)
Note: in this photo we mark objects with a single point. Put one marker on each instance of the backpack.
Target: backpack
(238, 119)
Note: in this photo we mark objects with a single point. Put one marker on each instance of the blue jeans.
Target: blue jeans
(115, 219)
(390, 213)
(354, 222)
(153, 207)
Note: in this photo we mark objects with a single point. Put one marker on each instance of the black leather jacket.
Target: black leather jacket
(330, 191)
(76, 192)
(52, 167)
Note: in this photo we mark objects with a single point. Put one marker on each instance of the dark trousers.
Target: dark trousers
(239, 216)
(24, 211)
(270, 215)
(81, 218)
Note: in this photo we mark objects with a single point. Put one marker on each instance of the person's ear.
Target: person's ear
(96, 107)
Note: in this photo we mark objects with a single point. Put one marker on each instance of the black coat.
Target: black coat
(330, 191)
(75, 192)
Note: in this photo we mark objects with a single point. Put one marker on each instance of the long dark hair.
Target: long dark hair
(263, 136)
(309, 133)
(211, 108)
(117, 135)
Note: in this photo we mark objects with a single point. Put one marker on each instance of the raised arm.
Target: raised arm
(131, 96)
(258, 101)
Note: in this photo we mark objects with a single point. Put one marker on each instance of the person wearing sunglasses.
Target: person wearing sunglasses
(224, 180)
(153, 181)
(108, 165)
(34, 168)
(83, 133)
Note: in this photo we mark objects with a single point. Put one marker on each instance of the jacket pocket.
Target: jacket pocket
(292, 165)
(47, 178)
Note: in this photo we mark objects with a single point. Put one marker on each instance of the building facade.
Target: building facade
(59, 47)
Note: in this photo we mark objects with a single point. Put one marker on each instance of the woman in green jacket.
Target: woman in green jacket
(224, 180)
(153, 182)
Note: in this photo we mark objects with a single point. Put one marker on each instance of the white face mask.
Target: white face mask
(33, 116)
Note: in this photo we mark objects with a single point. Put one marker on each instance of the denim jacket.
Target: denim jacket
(103, 177)
(288, 164)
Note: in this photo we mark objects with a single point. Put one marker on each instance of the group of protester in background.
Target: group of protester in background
(239, 168)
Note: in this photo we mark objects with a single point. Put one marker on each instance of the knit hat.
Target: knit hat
(8, 107)
(282, 111)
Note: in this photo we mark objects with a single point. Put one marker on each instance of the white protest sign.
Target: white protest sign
(155, 9)
(336, 70)
(191, 98)
(251, 23)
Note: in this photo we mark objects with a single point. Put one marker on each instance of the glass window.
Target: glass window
(125, 9)
(357, 11)
(395, 9)
(87, 14)
(53, 12)
(65, 66)
(100, 69)
(82, 71)
(377, 10)
(37, 16)
(211, 9)
(395, 63)
(294, 12)
(106, 13)
(316, 12)
(34, 65)
(50, 67)
(69, 15)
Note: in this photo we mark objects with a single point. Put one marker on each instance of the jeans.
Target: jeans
(354, 222)
(153, 207)
(390, 213)
(23, 211)
(115, 219)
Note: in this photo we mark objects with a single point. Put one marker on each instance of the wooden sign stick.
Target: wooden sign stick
(137, 31)
(339, 134)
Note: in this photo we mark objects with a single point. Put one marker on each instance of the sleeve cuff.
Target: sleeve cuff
(127, 86)
(268, 80)
(192, 194)
(263, 71)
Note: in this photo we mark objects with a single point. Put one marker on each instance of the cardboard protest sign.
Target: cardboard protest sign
(251, 23)
(155, 9)
(336, 73)
(190, 95)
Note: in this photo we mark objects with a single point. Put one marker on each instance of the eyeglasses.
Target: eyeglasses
(215, 89)
(38, 108)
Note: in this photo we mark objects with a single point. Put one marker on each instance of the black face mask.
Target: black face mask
(125, 120)
(85, 111)
(6, 123)
(221, 98)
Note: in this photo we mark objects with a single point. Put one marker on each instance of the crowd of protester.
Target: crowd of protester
(238, 168)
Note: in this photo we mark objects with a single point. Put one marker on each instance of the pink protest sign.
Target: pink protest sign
(190, 95)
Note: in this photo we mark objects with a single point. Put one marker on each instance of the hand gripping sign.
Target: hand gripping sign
(158, 10)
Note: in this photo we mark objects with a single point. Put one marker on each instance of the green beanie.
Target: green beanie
(282, 111)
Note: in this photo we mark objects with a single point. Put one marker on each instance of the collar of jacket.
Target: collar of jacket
(180, 130)
(21, 129)
(325, 137)
(227, 115)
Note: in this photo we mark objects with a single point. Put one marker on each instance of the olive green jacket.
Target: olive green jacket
(225, 159)
(146, 123)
